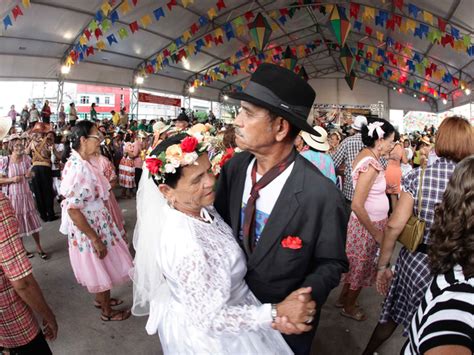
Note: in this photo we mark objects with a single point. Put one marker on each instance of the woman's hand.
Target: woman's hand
(383, 281)
(378, 236)
(99, 248)
(15, 179)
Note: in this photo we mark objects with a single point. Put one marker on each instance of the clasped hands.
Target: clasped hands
(295, 313)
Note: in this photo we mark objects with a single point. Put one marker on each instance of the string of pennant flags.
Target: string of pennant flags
(106, 18)
(15, 12)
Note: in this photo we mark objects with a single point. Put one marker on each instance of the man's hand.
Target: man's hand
(296, 312)
(50, 328)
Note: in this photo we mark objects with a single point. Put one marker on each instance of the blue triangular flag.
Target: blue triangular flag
(158, 13)
(413, 10)
(111, 39)
(114, 16)
(98, 16)
(7, 21)
(202, 21)
(229, 35)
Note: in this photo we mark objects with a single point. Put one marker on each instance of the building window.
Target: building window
(107, 100)
(97, 100)
(84, 100)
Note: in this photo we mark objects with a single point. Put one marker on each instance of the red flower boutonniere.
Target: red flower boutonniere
(292, 242)
(153, 165)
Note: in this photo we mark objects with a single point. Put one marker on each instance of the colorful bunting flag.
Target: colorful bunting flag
(158, 13)
(111, 39)
(146, 20)
(123, 33)
(7, 21)
(125, 7)
(133, 26)
(289, 59)
(16, 11)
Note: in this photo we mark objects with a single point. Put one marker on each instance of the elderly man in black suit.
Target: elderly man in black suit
(290, 220)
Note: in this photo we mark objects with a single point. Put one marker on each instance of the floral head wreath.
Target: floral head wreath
(200, 139)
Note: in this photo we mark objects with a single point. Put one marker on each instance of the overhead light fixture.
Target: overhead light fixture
(423, 99)
(414, 95)
(226, 97)
(400, 90)
(65, 69)
(191, 89)
(139, 79)
(467, 91)
(186, 64)
(394, 88)
(445, 101)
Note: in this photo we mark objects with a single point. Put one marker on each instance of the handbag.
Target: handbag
(412, 235)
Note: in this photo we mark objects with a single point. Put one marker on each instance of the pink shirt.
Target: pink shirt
(376, 205)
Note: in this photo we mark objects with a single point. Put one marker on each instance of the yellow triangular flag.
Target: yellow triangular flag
(428, 17)
(146, 20)
(186, 3)
(83, 40)
(241, 30)
(26, 3)
(369, 13)
(100, 45)
(211, 13)
(191, 48)
(252, 44)
(379, 36)
(218, 33)
(69, 61)
(186, 35)
(125, 7)
(106, 8)
(411, 25)
(274, 14)
(275, 26)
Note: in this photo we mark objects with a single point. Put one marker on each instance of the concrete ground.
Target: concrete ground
(82, 332)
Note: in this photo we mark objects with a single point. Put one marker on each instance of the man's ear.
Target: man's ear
(283, 129)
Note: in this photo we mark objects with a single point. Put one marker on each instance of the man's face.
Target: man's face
(180, 125)
(253, 128)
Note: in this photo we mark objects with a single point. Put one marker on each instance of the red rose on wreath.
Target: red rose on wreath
(189, 144)
(291, 242)
(153, 165)
(229, 153)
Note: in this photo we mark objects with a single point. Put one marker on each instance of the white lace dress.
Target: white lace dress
(209, 308)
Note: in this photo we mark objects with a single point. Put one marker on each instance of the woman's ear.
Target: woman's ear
(166, 191)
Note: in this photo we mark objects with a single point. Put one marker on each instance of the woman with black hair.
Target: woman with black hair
(369, 215)
(99, 256)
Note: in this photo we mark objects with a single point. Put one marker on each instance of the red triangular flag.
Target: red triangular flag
(399, 4)
(134, 2)
(354, 10)
(16, 12)
(220, 4)
(97, 33)
(170, 4)
(441, 24)
(134, 26)
(249, 15)
(88, 34)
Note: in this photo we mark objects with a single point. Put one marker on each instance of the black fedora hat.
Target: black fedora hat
(282, 92)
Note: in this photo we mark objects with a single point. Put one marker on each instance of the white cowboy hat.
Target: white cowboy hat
(359, 121)
(318, 143)
(5, 125)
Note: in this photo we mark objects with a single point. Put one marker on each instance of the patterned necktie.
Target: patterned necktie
(249, 238)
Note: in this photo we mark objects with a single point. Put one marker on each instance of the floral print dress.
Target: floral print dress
(85, 190)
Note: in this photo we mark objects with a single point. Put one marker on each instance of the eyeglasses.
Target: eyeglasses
(95, 136)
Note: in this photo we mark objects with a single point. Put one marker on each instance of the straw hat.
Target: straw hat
(5, 125)
(41, 127)
(425, 140)
(160, 127)
(318, 143)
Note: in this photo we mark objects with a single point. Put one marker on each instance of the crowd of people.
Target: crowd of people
(271, 214)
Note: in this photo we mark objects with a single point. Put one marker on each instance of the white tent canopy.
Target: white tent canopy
(39, 41)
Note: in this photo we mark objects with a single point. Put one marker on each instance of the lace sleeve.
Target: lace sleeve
(205, 286)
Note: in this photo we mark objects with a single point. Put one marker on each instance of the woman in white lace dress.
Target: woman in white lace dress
(189, 270)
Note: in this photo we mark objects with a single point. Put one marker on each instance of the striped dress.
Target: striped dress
(445, 315)
(20, 194)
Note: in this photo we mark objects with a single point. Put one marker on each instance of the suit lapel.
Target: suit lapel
(285, 208)
(236, 198)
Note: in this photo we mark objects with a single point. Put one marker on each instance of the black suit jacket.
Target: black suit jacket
(311, 207)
